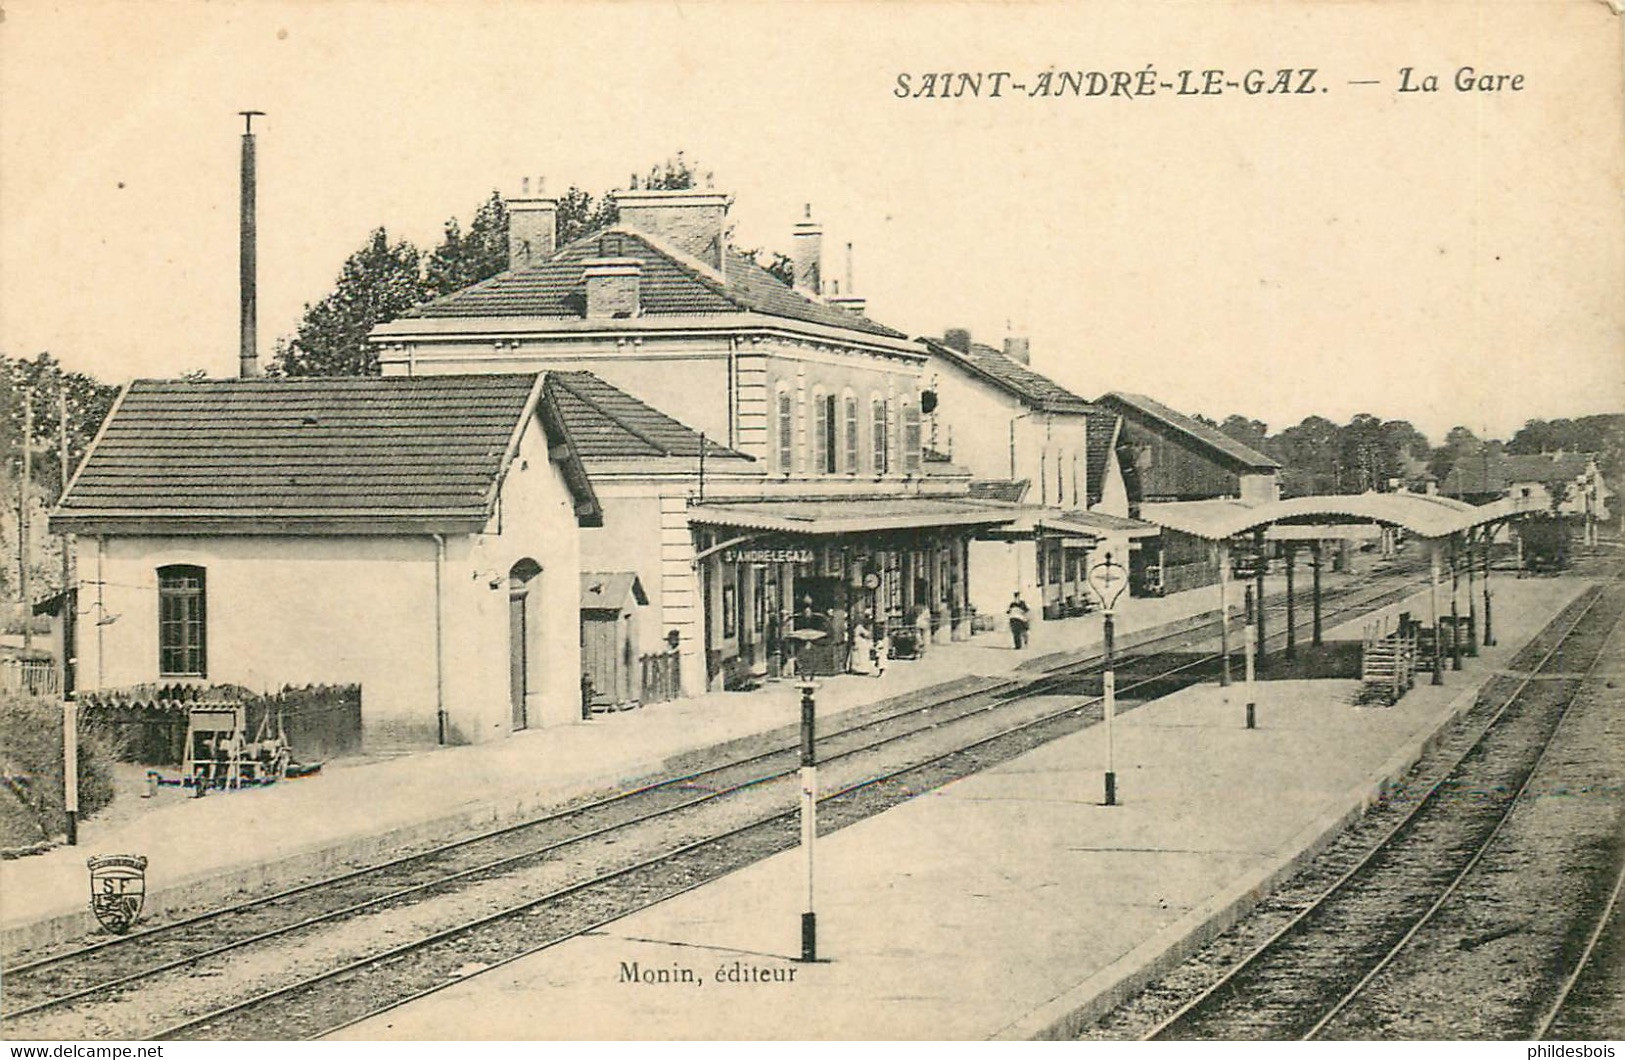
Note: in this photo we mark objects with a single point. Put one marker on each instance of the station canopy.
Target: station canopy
(850, 515)
(1424, 514)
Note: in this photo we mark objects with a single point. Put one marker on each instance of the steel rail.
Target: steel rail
(1512, 804)
(1383, 843)
(1064, 671)
(651, 862)
(1078, 708)
(1555, 1009)
(1026, 691)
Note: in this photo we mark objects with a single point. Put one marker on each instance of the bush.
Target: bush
(31, 766)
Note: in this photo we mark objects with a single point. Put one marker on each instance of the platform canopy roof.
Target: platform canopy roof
(851, 515)
(1426, 515)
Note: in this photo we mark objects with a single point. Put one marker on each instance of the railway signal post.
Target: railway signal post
(1249, 633)
(809, 818)
(70, 765)
(1108, 579)
(1224, 614)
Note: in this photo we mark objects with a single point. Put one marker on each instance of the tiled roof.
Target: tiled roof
(606, 423)
(1100, 450)
(425, 449)
(608, 590)
(670, 284)
(1210, 437)
(1011, 376)
(1476, 475)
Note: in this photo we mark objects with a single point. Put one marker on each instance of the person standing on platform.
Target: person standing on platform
(1019, 615)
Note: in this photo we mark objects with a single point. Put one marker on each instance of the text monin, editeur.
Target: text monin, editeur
(732, 973)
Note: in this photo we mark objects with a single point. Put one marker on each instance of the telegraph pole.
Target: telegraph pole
(22, 517)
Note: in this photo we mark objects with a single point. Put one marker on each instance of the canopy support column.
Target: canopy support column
(1224, 613)
(1258, 581)
(1489, 631)
(1314, 551)
(1433, 609)
(1455, 611)
(1472, 598)
(1291, 606)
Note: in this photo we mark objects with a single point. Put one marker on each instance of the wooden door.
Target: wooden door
(518, 664)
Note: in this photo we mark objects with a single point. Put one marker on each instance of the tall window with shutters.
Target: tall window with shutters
(850, 433)
(785, 432)
(881, 436)
(911, 438)
(182, 625)
(823, 432)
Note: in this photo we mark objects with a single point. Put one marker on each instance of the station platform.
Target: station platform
(359, 809)
(1009, 904)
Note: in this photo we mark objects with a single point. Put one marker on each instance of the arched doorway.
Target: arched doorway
(524, 599)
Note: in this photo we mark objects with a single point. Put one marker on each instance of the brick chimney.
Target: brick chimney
(957, 339)
(532, 227)
(851, 301)
(808, 243)
(1017, 349)
(692, 220)
(612, 287)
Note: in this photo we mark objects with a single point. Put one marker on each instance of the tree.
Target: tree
(382, 280)
(776, 264)
(464, 260)
(378, 283)
(1459, 443)
(1249, 432)
(580, 213)
(43, 384)
(1308, 453)
(1367, 455)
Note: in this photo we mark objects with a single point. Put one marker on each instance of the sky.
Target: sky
(1449, 257)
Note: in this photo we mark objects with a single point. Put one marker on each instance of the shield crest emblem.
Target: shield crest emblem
(118, 885)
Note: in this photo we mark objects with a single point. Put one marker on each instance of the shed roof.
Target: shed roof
(366, 455)
(1145, 409)
(610, 590)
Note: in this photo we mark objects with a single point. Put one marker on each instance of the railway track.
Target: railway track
(669, 835)
(1316, 957)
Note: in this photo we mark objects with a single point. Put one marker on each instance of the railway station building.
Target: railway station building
(417, 537)
(1026, 439)
(758, 447)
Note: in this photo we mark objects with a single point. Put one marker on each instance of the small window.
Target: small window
(881, 437)
(851, 433)
(181, 622)
(786, 427)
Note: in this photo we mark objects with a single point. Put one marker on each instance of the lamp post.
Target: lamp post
(1108, 579)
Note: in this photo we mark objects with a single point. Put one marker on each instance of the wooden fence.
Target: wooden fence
(32, 677)
(149, 723)
(662, 677)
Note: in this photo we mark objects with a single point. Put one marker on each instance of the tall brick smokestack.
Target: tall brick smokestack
(248, 365)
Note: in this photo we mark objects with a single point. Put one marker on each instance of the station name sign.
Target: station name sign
(767, 555)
